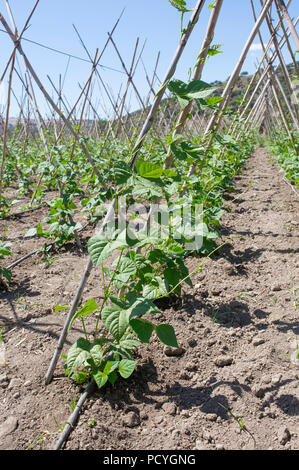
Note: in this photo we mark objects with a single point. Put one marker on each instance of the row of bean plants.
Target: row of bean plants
(150, 263)
(286, 155)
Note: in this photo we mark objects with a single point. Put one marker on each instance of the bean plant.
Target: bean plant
(286, 155)
(150, 267)
(5, 251)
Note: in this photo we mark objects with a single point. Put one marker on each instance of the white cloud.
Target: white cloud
(256, 47)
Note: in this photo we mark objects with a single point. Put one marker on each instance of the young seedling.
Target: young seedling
(57, 424)
(2, 349)
(4, 252)
(25, 302)
(214, 318)
(240, 421)
(91, 424)
(74, 402)
(37, 441)
(295, 290)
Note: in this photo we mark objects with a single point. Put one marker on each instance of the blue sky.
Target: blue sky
(155, 22)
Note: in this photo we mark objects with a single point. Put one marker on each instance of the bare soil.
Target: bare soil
(238, 329)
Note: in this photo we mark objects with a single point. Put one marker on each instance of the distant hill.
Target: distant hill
(171, 108)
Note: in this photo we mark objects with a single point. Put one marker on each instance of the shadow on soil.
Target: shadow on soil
(208, 398)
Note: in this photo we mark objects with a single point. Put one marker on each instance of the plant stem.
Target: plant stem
(106, 296)
(84, 329)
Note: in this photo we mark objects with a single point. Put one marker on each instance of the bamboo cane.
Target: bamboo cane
(127, 88)
(295, 118)
(6, 125)
(289, 22)
(247, 93)
(46, 94)
(287, 39)
(214, 123)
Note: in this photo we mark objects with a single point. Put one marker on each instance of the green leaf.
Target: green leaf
(96, 353)
(170, 173)
(184, 271)
(126, 269)
(176, 249)
(212, 100)
(6, 273)
(157, 256)
(197, 89)
(116, 320)
(147, 188)
(58, 308)
(180, 5)
(192, 150)
(172, 275)
(228, 139)
(100, 248)
(126, 367)
(31, 232)
(156, 288)
(178, 152)
(5, 251)
(127, 344)
(112, 377)
(122, 172)
(78, 353)
(100, 378)
(39, 229)
(96, 246)
(90, 307)
(177, 87)
(148, 169)
(167, 335)
(120, 303)
(141, 306)
(141, 263)
(215, 49)
(81, 377)
(142, 328)
(110, 366)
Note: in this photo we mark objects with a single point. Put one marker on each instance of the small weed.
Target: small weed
(1, 335)
(57, 424)
(25, 302)
(37, 441)
(74, 403)
(245, 293)
(240, 421)
(91, 424)
(295, 296)
(214, 318)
